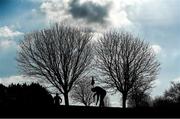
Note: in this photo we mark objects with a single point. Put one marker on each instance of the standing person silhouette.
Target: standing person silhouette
(57, 100)
(100, 93)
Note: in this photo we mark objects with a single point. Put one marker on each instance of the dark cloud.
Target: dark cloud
(90, 11)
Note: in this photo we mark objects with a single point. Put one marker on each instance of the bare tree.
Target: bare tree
(60, 55)
(125, 62)
(82, 92)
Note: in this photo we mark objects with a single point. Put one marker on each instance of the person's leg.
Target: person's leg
(102, 99)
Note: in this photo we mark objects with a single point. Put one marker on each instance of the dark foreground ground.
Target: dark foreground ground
(87, 112)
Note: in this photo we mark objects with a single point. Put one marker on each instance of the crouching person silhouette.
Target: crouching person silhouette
(100, 93)
(57, 100)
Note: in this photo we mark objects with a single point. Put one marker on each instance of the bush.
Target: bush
(25, 95)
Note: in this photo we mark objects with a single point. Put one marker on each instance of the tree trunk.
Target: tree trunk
(85, 104)
(66, 99)
(124, 98)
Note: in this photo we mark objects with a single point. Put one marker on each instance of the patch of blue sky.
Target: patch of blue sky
(8, 65)
(15, 12)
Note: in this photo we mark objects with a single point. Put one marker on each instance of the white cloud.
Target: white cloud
(120, 10)
(156, 13)
(176, 79)
(157, 49)
(133, 15)
(5, 44)
(7, 36)
(16, 79)
(54, 10)
(21, 79)
(7, 32)
(157, 82)
(118, 16)
(156, 90)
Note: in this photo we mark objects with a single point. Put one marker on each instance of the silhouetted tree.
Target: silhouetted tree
(28, 95)
(60, 55)
(125, 62)
(3, 95)
(39, 95)
(161, 102)
(138, 98)
(82, 92)
(173, 93)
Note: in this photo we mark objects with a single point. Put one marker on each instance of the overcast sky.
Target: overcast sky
(156, 21)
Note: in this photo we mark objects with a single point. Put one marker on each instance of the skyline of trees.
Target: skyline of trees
(63, 54)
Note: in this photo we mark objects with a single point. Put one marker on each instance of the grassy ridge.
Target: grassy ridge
(85, 112)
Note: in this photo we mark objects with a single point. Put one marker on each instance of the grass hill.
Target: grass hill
(88, 112)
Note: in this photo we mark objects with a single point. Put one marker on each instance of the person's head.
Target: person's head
(93, 89)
